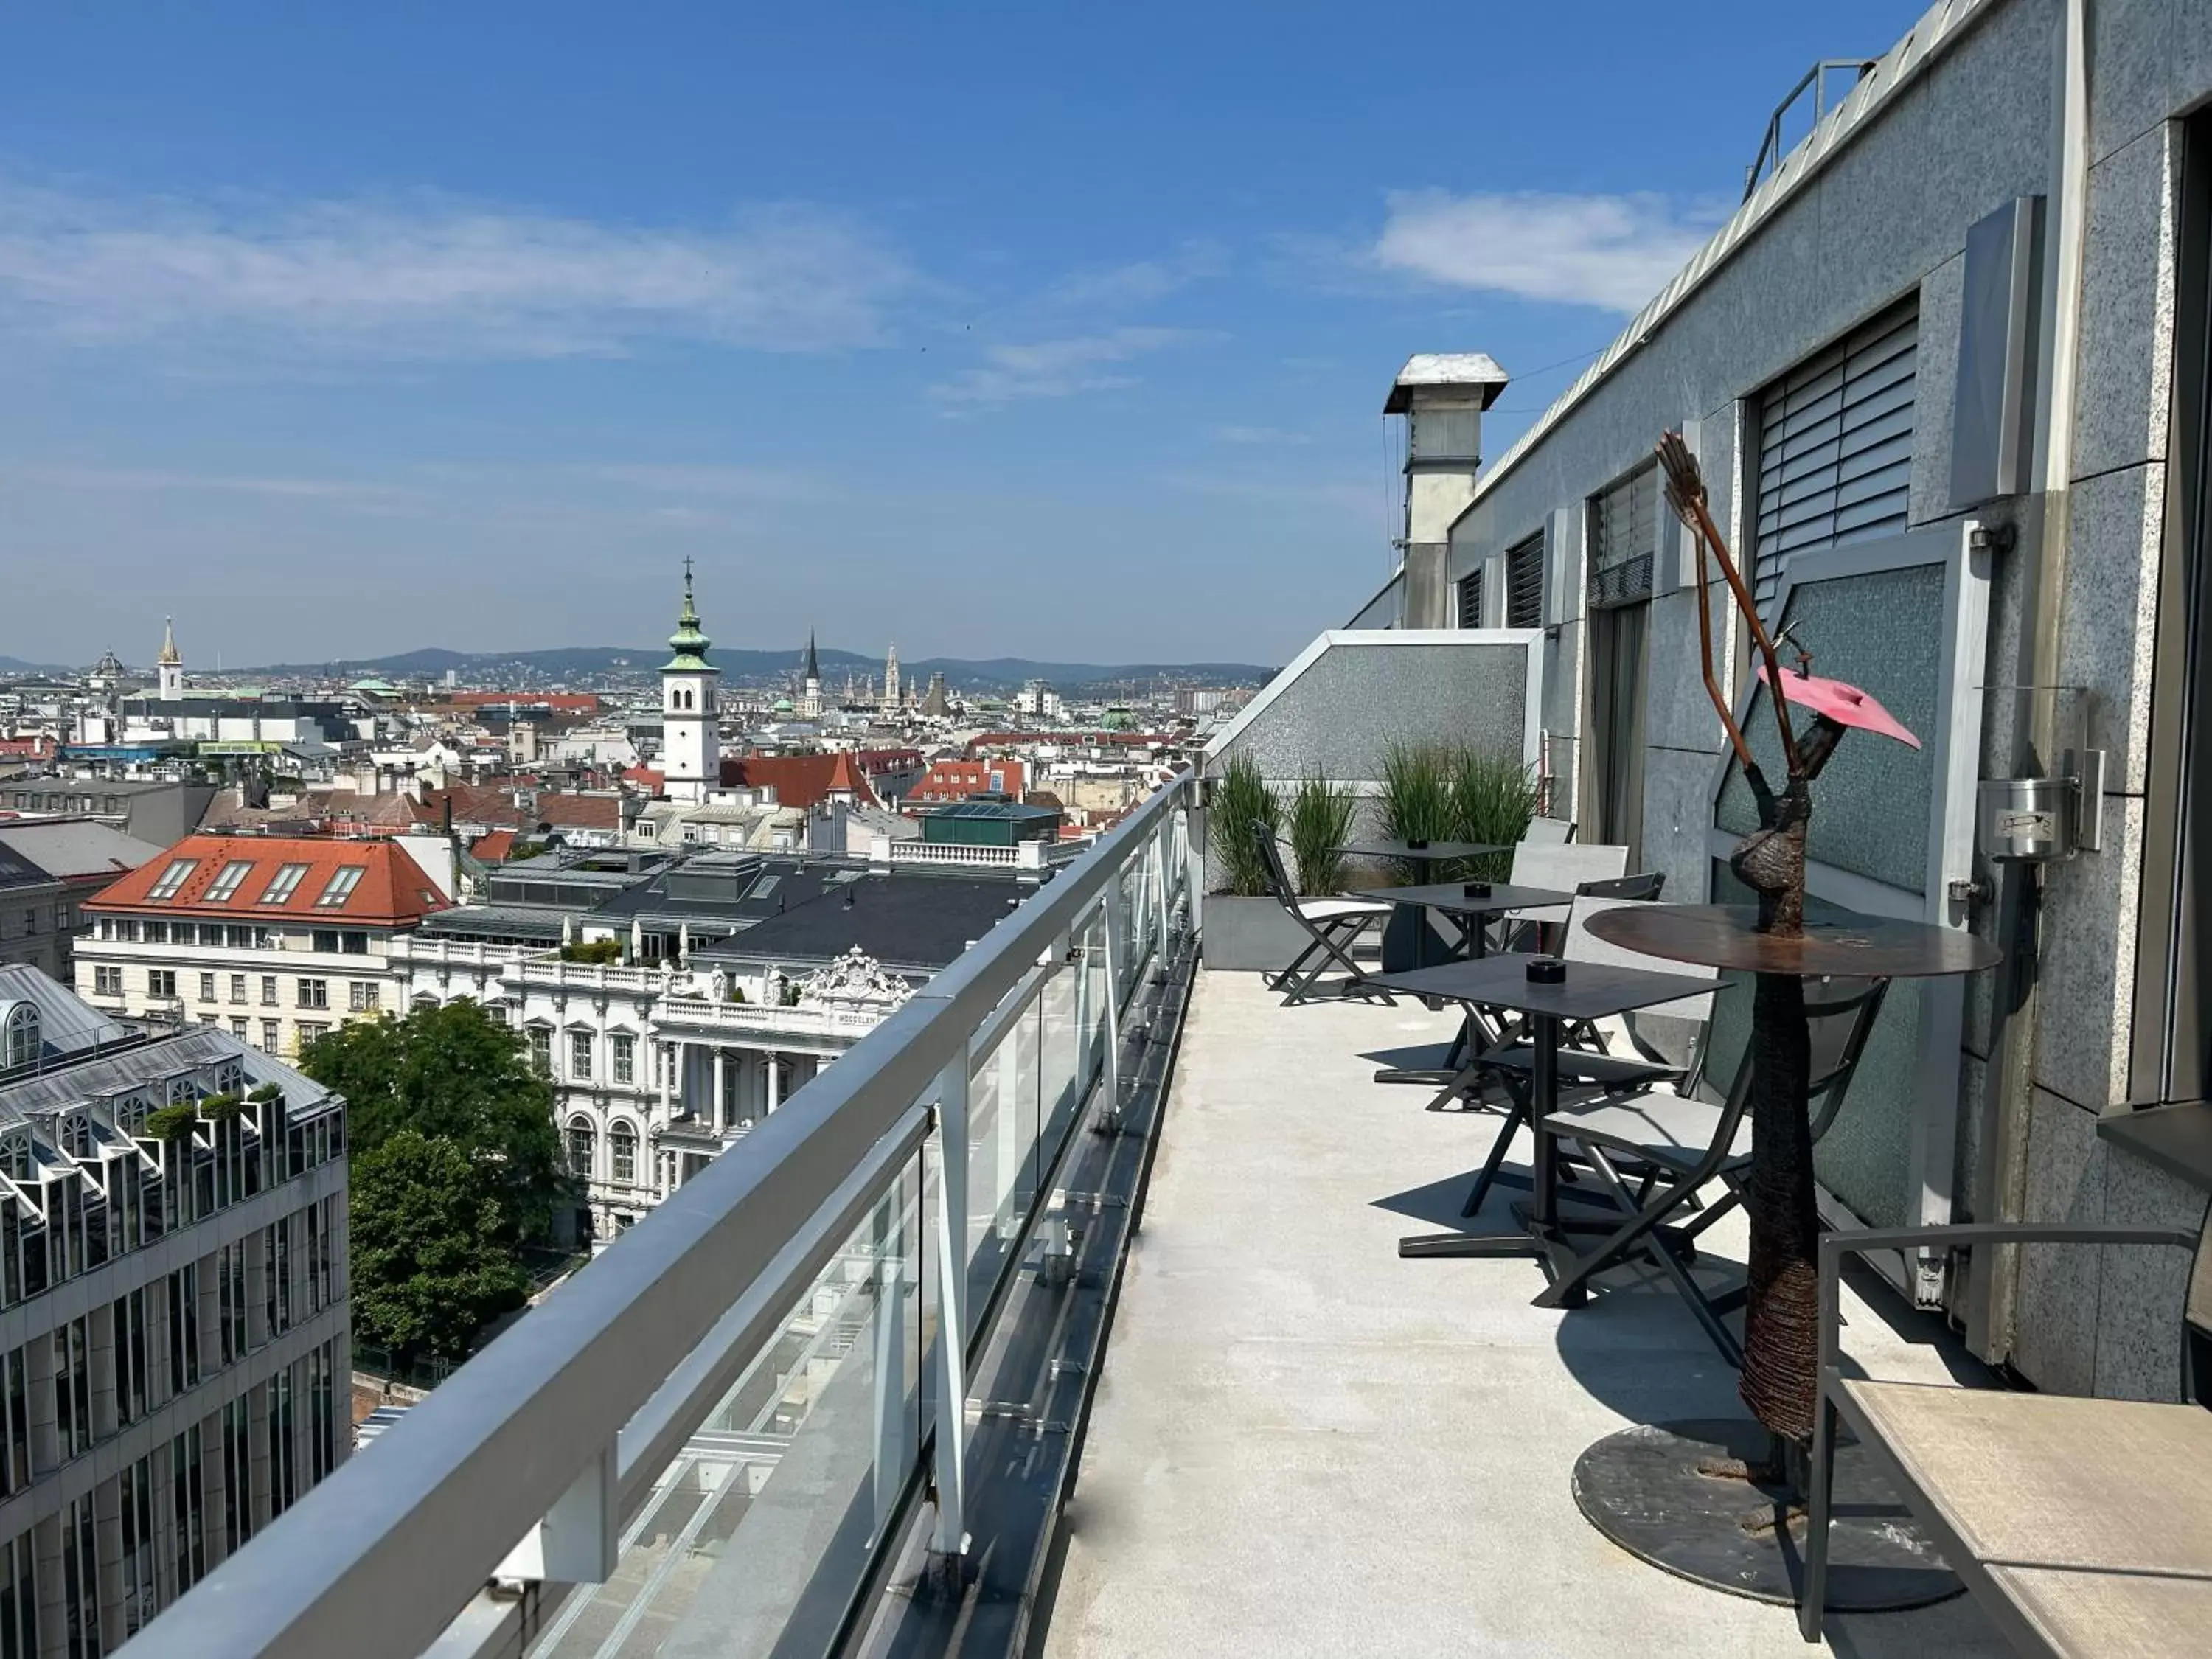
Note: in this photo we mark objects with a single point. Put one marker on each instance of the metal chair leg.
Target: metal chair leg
(1813, 1595)
(1616, 1248)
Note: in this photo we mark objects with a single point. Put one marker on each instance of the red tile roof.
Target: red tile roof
(955, 781)
(494, 848)
(799, 779)
(391, 891)
(495, 809)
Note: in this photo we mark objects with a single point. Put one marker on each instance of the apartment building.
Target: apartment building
(742, 977)
(174, 1313)
(273, 939)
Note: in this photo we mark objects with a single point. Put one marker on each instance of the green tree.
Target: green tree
(431, 1259)
(453, 1074)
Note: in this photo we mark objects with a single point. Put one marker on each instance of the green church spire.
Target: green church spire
(688, 644)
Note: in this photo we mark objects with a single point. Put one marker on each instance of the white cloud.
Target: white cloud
(1140, 282)
(1055, 368)
(1612, 251)
(429, 277)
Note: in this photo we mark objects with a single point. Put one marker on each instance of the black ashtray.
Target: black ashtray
(1546, 970)
(1476, 890)
(1416, 847)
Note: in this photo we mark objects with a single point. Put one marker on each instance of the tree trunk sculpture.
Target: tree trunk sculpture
(1781, 1306)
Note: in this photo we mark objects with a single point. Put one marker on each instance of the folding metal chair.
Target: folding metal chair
(1547, 832)
(1566, 868)
(1330, 924)
(1644, 888)
(1686, 1137)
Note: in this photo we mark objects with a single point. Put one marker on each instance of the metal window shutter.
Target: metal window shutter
(1624, 530)
(1835, 445)
(1524, 583)
(1470, 600)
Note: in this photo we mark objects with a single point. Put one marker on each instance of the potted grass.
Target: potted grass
(1319, 822)
(1416, 803)
(1246, 929)
(1493, 796)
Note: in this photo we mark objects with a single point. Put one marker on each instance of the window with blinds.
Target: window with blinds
(1835, 445)
(1524, 583)
(1470, 600)
(1624, 528)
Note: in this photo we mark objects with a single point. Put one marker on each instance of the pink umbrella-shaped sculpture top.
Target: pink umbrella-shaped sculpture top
(1842, 703)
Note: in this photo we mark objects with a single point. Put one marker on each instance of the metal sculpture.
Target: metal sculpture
(1781, 1314)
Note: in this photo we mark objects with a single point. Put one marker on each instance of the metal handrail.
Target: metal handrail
(1816, 80)
(379, 1558)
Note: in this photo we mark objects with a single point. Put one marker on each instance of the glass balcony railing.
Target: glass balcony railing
(727, 1432)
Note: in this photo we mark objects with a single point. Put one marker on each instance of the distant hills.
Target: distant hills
(572, 661)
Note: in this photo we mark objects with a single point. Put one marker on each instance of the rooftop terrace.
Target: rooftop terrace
(1302, 1444)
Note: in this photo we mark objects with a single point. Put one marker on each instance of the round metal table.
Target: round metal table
(1652, 1489)
(1841, 942)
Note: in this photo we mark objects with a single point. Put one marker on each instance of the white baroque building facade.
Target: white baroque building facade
(656, 1069)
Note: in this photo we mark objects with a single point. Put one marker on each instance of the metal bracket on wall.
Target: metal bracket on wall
(2087, 768)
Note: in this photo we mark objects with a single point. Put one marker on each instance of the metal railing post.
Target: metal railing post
(894, 1448)
(1159, 878)
(948, 1544)
(1110, 1120)
(1008, 1087)
(576, 1543)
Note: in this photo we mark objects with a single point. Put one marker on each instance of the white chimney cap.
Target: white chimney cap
(1447, 371)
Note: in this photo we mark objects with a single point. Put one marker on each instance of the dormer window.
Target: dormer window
(172, 878)
(344, 880)
(284, 884)
(227, 880)
(20, 1035)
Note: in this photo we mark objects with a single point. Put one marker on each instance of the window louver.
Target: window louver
(1470, 600)
(1835, 445)
(1623, 529)
(1524, 583)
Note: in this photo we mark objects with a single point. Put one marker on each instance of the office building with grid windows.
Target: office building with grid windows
(174, 1312)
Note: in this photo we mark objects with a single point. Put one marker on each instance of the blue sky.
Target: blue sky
(1030, 330)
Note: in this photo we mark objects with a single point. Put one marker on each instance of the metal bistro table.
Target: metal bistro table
(1406, 939)
(1653, 1489)
(1590, 990)
(1469, 911)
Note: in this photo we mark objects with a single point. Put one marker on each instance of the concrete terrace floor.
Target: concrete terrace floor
(1303, 1445)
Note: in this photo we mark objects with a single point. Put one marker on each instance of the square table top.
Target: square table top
(1436, 852)
(1452, 896)
(1591, 990)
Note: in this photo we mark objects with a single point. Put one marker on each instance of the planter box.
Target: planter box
(1248, 935)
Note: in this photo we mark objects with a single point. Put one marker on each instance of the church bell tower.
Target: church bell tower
(690, 743)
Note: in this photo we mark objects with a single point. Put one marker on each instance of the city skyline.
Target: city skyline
(608, 296)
